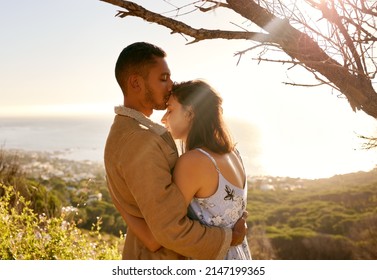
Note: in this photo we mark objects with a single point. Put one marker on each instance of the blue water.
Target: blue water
(79, 138)
(83, 138)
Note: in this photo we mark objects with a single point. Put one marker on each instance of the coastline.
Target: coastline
(82, 138)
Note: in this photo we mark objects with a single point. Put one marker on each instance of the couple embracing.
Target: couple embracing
(190, 206)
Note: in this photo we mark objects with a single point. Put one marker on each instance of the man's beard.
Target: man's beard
(149, 98)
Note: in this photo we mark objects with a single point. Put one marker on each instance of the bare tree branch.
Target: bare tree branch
(180, 27)
(301, 47)
(348, 40)
(369, 142)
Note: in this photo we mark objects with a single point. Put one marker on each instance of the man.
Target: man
(139, 158)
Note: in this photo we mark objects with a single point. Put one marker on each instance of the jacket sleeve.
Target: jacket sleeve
(145, 168)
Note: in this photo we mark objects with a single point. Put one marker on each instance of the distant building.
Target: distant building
(267, 187)
(94, 197)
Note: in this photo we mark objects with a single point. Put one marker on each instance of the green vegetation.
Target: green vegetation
(35, 225)
(27, 235)
(56, 209)
(333, 218)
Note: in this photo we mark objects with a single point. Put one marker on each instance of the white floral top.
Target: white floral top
(223, 209)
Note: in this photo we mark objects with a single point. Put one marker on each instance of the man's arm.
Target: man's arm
(140, 228)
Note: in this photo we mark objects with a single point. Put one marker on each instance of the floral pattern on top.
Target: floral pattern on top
(223, 209)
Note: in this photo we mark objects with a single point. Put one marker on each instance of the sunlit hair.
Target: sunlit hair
(136, 58)
(208, 128)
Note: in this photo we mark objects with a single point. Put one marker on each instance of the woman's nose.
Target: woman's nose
(163, 120)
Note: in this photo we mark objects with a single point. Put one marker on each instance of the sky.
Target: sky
(58, 57)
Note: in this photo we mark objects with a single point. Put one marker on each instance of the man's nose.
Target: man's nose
(170, 84)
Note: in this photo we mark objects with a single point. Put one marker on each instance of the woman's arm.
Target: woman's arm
(140, 228)
(195, 175)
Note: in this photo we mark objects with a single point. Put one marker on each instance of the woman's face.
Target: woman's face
(177, 119)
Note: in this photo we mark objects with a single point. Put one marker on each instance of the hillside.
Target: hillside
(56, 185)
(289, 218)
(334, 218)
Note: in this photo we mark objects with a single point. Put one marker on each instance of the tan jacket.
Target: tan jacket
(138, 164)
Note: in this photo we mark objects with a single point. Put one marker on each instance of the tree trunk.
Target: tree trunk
(356, 87)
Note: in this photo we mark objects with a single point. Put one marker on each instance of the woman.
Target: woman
(210, 173)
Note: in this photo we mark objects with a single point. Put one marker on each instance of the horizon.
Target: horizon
(250, 140)
(59, 155)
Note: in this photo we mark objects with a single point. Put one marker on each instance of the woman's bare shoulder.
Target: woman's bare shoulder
(198, 173)
(195, 163)
(190, 174)
(194, 157)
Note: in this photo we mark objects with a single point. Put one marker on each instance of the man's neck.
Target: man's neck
(138, 107)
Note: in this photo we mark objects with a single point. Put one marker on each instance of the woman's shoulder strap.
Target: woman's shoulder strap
(210, 157)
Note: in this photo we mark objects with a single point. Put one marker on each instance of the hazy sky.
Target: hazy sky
(57, 57)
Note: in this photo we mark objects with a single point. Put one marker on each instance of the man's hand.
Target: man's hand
(239, 231)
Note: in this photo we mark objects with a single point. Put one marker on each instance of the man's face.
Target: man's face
(157, 86)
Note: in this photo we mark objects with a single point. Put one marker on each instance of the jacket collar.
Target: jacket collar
(139, 117)
(143, 120)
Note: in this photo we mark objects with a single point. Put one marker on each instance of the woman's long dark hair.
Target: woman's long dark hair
(208, 128)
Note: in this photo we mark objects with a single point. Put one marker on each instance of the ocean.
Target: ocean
(83, 138)
(75, 138)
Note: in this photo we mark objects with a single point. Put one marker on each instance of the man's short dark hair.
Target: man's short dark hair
(136, 59)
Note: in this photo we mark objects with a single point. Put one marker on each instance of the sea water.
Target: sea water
(76, 138)
(84, 138)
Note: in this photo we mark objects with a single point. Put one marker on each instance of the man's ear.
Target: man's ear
(135, 82)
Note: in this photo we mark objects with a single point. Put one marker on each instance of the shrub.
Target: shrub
(27, 235)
